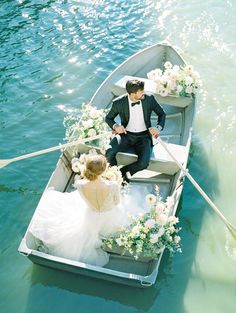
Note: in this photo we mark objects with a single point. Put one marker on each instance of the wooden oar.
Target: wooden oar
(230, 227)
(33, 154)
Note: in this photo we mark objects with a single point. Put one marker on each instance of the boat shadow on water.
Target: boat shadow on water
(141, 299)
(174, 271)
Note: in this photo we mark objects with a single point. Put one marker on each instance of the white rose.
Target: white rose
(150, 198)
(160, 208)
(82, 158)
(158, 82)
(172, 219)
(112, 177)
(176, 68)
(172, 229)
(158, 72)
(108, 175)
(154, 238)
(188, 89)
(168, 72)
(188, 68)
(188, 80)
(76, 166)
(87, 123)
(92, 132)
(150, 223)
(151, 75)
(161, 232)
(95, 113)
(162, 219)
(167, 64)
(74, 160)
(135, 230)
(119, 242)
(164, 80)
(177, 239)
(174, 75)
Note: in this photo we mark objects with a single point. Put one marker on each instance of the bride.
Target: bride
(71, 225)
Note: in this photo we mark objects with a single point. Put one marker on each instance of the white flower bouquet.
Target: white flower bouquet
(148, 234)
(175, 80)
(86, 122)
(112, 173)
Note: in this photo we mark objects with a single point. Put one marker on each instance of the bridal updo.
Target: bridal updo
(94, 166)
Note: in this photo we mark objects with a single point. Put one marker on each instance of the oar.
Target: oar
(33, 154)
(230, 227)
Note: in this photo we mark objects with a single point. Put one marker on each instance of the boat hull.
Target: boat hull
(180, 113)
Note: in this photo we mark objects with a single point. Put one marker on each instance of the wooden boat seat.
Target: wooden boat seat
(160, 159)
(118, 88)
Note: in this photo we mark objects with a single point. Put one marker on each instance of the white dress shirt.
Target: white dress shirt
(136, 122)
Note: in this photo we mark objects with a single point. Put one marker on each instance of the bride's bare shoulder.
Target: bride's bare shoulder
(80, 182)
(111, 183)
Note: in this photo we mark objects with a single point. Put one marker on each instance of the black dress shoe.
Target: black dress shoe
(125, 178)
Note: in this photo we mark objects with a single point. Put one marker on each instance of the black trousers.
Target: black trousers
(141, 143)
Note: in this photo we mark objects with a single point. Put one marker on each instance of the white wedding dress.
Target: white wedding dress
(71, 225)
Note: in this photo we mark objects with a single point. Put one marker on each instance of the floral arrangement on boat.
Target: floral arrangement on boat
(112, 173)
(148, 233)
(88, 121)
(175, 80)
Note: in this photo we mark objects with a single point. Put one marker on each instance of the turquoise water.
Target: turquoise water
(53, 56)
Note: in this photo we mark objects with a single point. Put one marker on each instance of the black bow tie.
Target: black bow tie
(133, 103)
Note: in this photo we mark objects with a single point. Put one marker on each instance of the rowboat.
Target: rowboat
(162, 170)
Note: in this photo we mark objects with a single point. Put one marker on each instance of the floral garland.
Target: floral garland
(88, 121)
(149, 233)
(175, 80)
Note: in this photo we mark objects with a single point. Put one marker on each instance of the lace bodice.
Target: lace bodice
(100, 195)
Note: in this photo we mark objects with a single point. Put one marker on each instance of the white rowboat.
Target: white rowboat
(162, 169)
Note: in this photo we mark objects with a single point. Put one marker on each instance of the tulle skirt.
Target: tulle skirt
(69, 228)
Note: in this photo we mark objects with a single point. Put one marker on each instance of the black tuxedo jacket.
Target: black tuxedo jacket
(120, 106)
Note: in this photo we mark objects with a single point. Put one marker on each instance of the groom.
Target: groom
(135, 129)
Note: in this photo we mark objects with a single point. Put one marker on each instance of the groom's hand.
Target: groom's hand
(154, 131)
(119, 129)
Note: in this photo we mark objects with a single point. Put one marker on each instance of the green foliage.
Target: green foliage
(149, 233)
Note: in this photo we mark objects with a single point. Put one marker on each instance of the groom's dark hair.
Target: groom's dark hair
(132, 86)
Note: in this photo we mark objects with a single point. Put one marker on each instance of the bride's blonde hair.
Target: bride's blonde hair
(94, 166)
